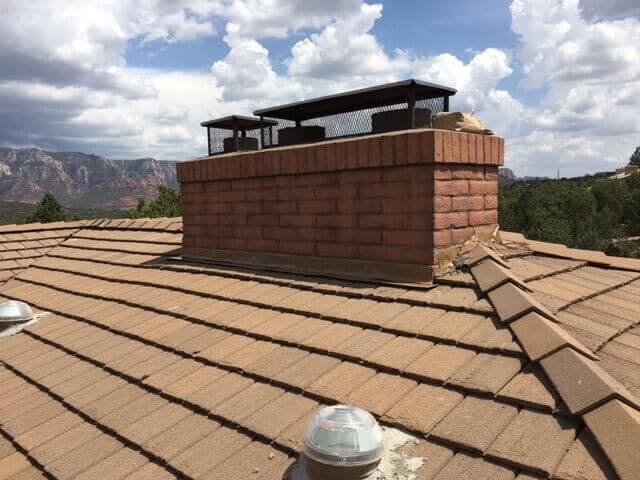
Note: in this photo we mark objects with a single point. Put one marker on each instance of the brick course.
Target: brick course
(391, 198)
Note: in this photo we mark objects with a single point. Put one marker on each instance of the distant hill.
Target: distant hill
(81, 180)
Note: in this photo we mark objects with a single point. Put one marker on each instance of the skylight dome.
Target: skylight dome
(343, 436)
(15, 311)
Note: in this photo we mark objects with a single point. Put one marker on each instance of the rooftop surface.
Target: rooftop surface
(523, 364)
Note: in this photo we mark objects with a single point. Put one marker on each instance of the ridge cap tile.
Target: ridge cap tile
(540, 337)
(581, 383)
(616, 428)
(516, 303)
(490, 275)
(481, 252)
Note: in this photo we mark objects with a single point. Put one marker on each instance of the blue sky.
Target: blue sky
(134, 78)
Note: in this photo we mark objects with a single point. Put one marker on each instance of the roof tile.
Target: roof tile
(256, 460)
(487, 372)
(475, 423)
(400, 352)
(116, 466)
(279, 414)
(440, 362)
(490, 275)
(582, 384)
(416, 319)
(510, 302)
(584, 461)
(423, 407)
(308, 370)
(151, 470)
(248, 401)
(616, 427)
(175, 439)
(534, 440)
(219, 390)
(364, 343)
(467, 467)
(380, 393)
(46, 431)
(13, 464)
(338, 383)
(83, 457)
(210, 451)
(540, 336)
(154, 423)
(530, 387)
(480, 253)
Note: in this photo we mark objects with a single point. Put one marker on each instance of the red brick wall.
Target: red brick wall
(390, 198)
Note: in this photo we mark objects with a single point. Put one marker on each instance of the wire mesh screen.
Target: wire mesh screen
(355, 123)
(217, 138)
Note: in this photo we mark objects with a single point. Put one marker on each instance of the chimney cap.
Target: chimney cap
(343, 435)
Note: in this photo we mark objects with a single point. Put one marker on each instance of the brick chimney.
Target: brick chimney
(387, 206)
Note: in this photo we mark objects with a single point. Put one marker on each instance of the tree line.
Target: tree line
(588, 212)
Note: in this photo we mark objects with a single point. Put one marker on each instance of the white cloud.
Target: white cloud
(609, 8)
(587, 120)
(67, 86)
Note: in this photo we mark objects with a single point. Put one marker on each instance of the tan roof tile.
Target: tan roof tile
(113, 401)
(151, 470)
(582, 384)
(248, 401)
(467, 467)
(210, 451)
(453, 325)
(83, 457)
(584, 461)
(154, 423)
(256, 460)
(332, 336)
(534, 440)
(60, 445)
(47, 430)
(475, 423)
(364, 343)
(180, 436)
(219, 390)
(276, 361)
(433, 456)
(13, 464)
(279, 414)
(540, 336)
(487, 372)
(379, 314)
(32, 417)
(293, 436)
(616, 427)
(194, 381)
(530, 387)
(339, 382)
(303, 373)
(416, 319)
(440, 362)
(139, 408)
(116, 466)
(510, 302)
(381, 392)
(490, 274)
(423, 407)
(400, 352)
(625, 372)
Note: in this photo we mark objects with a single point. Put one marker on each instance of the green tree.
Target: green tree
(168, 203)
(635, 157)
(47, 210)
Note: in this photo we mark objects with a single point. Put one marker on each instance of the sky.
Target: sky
(558, 79)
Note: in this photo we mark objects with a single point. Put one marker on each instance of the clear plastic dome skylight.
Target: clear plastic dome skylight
(343, 435)
(15, 311)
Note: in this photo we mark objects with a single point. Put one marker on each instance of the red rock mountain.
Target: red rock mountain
(79, 179)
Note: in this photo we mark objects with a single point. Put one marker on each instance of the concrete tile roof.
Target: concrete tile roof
(151, 366)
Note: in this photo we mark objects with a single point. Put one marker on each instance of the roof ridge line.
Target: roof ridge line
(591, 257)
(586, 389)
